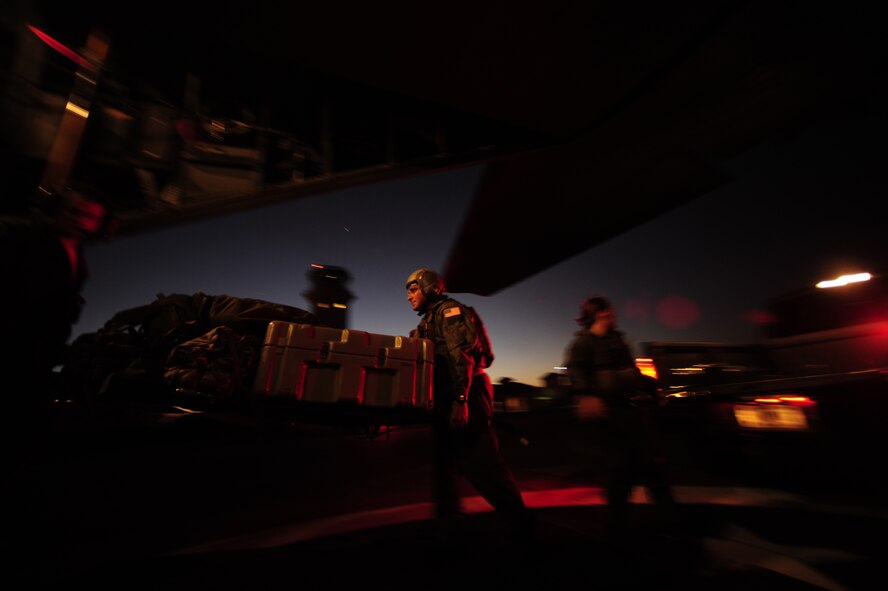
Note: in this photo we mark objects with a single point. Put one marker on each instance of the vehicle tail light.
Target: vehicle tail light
(646, 366)
(778, 412)
(793, 399)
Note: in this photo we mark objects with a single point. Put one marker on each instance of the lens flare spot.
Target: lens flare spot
(760, 317)
(677, 311)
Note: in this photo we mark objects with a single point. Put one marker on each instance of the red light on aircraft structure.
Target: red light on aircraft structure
(61, 48)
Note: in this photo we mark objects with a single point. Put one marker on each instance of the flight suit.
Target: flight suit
(462, 352)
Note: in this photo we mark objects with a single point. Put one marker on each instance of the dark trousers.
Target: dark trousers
(474, 453)
(629, 441)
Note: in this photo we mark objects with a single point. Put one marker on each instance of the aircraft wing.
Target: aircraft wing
(753, 72)
(591, 117)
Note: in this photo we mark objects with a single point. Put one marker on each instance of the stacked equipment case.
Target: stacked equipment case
(343, 373)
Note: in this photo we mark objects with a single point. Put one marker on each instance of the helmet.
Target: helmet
(430, 283)
(589, 308)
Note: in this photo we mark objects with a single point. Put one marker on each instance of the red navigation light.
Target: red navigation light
(68, 53)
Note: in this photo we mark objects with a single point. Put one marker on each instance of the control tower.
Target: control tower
(329, 295)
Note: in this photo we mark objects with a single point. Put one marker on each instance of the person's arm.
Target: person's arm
(625, 381)
(581, 369)
(459, 335)
(579, 359)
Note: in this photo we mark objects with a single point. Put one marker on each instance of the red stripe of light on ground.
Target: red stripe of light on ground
(547, 498)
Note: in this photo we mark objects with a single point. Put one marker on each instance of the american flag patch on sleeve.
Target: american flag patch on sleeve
(454, 311)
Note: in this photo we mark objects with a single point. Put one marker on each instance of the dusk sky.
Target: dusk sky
(800, 209)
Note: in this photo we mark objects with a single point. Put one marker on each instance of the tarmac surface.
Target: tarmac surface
(176, 500)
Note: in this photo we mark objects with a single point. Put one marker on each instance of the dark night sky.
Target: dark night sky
(800, 209)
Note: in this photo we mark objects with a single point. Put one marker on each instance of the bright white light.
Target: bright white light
(845, 280)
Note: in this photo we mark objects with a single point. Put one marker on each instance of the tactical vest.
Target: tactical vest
(433, 322)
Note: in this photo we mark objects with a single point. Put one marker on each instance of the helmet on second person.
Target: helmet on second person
(430, 283)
